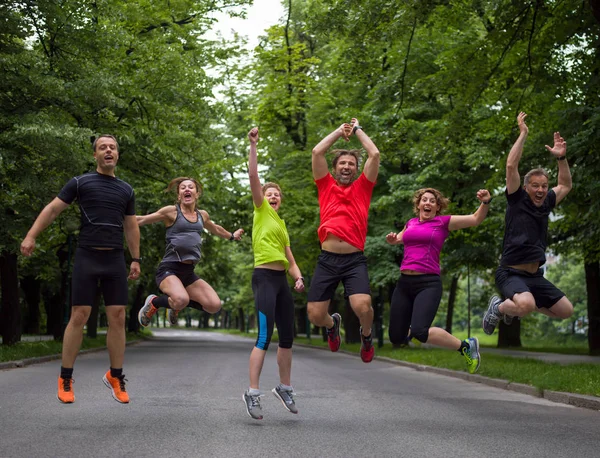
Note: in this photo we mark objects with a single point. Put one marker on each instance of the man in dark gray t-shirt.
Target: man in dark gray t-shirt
(107, 207)
(519, 278)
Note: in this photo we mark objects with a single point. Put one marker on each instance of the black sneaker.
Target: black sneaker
(492, 316)
(287, 398)
(252, 403)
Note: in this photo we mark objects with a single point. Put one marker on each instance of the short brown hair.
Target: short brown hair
(532, 173)
(104, 136)
(346, 152)
(270, 184)
(439, 198)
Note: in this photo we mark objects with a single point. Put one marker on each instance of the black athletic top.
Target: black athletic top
(104, 201)
(526, 228)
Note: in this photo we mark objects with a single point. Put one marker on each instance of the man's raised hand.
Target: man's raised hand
(560, 146)
(521, 122)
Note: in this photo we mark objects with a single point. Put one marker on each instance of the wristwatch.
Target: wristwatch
(561, 158)
(355, 128)
(138, 260)
(232, 238)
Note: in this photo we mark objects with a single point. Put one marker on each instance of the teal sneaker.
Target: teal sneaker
(471, 354)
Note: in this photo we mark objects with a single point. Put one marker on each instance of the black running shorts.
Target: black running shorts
(333, 268)
(106, 267)
(185, 272)
(511, 281)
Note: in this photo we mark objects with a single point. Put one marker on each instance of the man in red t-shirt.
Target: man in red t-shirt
(344, 206)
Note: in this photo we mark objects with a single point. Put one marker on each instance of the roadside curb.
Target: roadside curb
(46, 358)
(572, 399)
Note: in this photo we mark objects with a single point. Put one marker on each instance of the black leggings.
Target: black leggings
(274, 305)
(415, 302)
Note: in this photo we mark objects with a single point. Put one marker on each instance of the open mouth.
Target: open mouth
(187, 195)
(273, 203)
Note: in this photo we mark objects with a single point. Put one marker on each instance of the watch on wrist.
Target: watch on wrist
(355, 128)
(138, 260)
(561, 158)
(488, 202)
(232, 238)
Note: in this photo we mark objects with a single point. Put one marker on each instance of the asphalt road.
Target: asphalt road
(186, 391)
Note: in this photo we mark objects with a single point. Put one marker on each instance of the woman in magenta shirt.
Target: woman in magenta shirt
(418, 292)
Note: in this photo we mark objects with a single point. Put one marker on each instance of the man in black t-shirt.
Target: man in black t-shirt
(107, 207)
(519, 278)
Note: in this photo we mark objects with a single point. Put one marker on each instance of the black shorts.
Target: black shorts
(511, 281)
(350, 269)
(185, 272)
(104, 266)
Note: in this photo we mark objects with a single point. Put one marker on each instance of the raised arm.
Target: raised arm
(294, 270)
(464, 221)
(513, 179)
(255, 186)
(132, 235)
(319, 163)
(44, 219)
(165, 215)
(565, 183)
(371, 169)
(215, 229)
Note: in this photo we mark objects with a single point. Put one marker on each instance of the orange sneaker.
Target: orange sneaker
(117, 387)
(147, 311)
(65, 390)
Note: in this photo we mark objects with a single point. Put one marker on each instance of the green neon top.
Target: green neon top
(269, 236)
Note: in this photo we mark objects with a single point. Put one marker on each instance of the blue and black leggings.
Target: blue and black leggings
(274, 306)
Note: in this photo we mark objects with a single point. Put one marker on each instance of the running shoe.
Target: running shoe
(117, 387)
(367, 350)
(491, 316)
(147, 311)
(252, 403)
(172, 316)
(286, 397)
(333, 334)
(65, 390)
(471, 354)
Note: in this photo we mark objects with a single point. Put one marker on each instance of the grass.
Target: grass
(24, 350)
(572, 378)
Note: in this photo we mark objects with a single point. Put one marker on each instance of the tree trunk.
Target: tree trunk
(133, 324)
(92, 323)
(31, 287)
(509, 336)
(351, 324)
(10, 313)
(451, 300)
(241, 320)
(592, 283)
(54, 313)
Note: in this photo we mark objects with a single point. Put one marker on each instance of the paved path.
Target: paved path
(186, 390)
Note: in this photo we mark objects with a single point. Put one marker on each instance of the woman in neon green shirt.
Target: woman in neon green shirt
(272, 295)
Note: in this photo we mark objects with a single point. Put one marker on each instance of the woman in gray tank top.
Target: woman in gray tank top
(175, 275)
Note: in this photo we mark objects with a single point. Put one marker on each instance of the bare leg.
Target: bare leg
(115, 337)
(257, 358)
(202, 292)
(74, 334)
(318, 315)
(441, 338)
(361, 305)
(284, 361)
